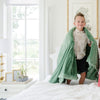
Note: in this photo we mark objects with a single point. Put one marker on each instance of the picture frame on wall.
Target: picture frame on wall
(90, 10)
(16, 73)
(8, 77)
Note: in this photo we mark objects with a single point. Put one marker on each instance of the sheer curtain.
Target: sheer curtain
(44, 47)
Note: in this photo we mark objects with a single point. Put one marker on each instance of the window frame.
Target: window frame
(10, 33)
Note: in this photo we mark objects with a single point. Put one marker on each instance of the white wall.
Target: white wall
(1, 18)
(57, 13)
(4, 41)
(57, 22)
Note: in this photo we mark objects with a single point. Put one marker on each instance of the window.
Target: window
(25, 38)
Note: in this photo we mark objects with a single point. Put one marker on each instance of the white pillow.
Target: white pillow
(54, 57)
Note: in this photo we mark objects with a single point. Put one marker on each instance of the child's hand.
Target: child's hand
(89, 44)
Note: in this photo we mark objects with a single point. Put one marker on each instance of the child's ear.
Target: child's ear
(85, 24)
(74, 23)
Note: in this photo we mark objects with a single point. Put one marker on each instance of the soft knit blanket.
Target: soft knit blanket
(66, 62)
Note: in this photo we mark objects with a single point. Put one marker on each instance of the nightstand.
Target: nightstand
(8, 89)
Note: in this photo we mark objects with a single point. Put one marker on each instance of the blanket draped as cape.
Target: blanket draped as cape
(66, 61)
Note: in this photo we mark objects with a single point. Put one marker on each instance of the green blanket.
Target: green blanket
(66, 62)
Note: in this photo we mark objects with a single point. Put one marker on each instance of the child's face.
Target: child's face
(79, 22)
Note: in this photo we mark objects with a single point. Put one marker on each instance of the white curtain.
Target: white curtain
(44, 50)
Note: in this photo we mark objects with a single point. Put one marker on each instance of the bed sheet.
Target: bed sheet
(48, 91)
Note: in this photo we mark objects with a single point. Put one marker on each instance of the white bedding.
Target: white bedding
(47, 91)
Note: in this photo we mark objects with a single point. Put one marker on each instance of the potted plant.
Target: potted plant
(22, 76)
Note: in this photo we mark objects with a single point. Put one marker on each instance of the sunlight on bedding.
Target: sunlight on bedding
(47, 91)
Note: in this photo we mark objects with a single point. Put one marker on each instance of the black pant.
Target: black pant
(82, 65)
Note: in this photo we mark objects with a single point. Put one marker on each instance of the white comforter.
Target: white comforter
(47, 91)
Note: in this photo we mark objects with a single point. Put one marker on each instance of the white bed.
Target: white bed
(47, 91)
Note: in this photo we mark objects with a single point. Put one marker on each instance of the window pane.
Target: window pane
(33, 48)
(32, 13)
(32, 29)
(18, 29)
(18, 63)
(18, 49)
(25, 37)
(33, 68)
(18, 12)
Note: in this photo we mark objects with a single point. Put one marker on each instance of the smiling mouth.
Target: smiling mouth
(80, 26)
